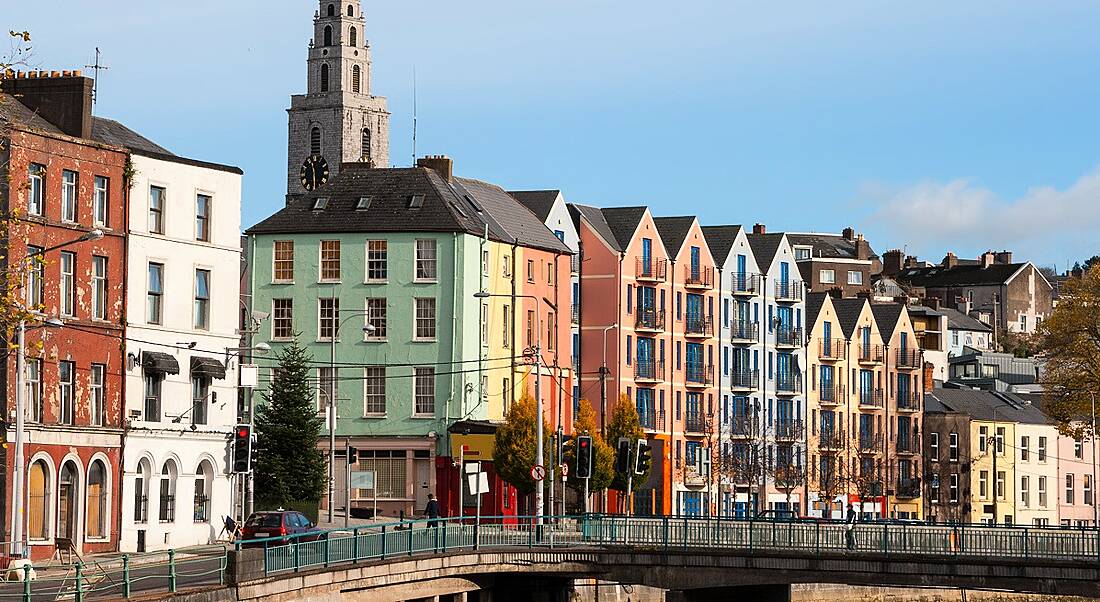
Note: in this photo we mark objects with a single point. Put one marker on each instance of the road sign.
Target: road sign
(564, 469)
(478, 482)
(538, 472)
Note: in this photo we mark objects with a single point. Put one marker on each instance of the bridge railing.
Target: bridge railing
(806, 537)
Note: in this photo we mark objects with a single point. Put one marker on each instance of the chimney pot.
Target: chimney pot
(441, 164)
(849, 233)
(759, 229)
(950, 260)
(987, 259)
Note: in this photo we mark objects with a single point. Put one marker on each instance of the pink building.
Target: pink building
(1076, 487)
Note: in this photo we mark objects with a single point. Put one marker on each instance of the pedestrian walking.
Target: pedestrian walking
(850, 528)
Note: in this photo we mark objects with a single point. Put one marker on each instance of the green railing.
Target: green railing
(138, 575)
(799, 538)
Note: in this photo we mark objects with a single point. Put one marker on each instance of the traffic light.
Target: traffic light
(584, 457)
(242, 448)
(562, 440)
(622, 457)
(353, 455)
(643, 458)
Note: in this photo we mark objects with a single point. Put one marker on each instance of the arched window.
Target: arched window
(328, 35)
(315, 141)
(95, 508)
(332, 10)
(168, 493)
(355, 77)
(351, 11)
(324, 78)
(203, 481)
(354, 37)
(67, 496)
(38, 500)
(366, 145)
(141, 491)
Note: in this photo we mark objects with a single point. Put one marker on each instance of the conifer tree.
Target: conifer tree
(289, 466)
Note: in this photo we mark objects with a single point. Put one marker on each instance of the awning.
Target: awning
(207, 367)
(153, 361)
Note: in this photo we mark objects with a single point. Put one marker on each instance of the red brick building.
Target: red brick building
(62, 184)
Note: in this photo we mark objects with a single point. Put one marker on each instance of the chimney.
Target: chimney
(932, 302)
(910, 261)
(929, 376)
(759, 229)
(986, 259)
(66, 102)
(863, 248)
(1003, 257)
(891, 262)
(849, 233)
(949, 260)
(441, 164)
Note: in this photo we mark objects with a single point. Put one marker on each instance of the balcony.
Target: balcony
(830, 350)
(648, 318)
(699, 374)
(831, 440)
(575, 263)
(788, 384)
(574, 314)
(651, 419)
(699, 277)
(745, 379)
(788, 429)
(744, 331)
(695, 423)
(649, 370)
(908, 488)
(745, 283)
(698, 326)
(908, 359)
(788, 337)
(788, 292)
(909, 444)
(870, 354)
(654, 270)
(871, 398)
(908, 401)
(830, 394)
(743, 426)
(693, 478)
(870, 442)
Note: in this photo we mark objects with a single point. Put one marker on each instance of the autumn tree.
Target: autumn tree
(1070, 342)
(624, 423)
(603, 462)
(515, 449)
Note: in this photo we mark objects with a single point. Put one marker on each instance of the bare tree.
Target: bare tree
(745, 465)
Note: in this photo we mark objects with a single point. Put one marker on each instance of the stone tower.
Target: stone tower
(337, 120)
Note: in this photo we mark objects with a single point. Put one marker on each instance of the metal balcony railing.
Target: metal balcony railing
(870, 354)
(745, 283)
(830, 393)
(745, 379)
(695, 423)
(788, 429)
(908, 358)
(789, 383)
(651, 419)
(908, 401)
(831, 439)
(653, 370)
(699, 374)
(790, 291)
(575, 263)
(574, 314)
(830, 349)
(788, 337)
(654, 269)
(743, 330)
(870, 397)
(743, 426)
(870, 442)
(908, 488)
(699, 326)
(908, 444)
(648, 318)
(699, 277)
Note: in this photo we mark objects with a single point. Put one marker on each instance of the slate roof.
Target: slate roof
(814, 303)
(961, 275)
(956, 320)
(831, 246)
(623, 222)
(720, 239)
(673, 231)
(109, 131)
(847, 313)
(980, 405)
(540, 202)
(932, 404)
(463, 205)
(594, 216)
(887, 316)
(14, 112)
(764, 247)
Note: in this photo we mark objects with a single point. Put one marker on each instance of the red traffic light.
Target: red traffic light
(242, 432)
(584, 442)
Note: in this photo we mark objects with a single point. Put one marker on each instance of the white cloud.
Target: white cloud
(1045, 225)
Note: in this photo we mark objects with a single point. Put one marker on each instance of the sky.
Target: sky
(928, 126)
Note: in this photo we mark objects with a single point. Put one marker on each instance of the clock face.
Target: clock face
(314, 172)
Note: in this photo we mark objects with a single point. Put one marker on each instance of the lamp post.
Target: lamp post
(337, 322)
(539, 485)
(17, 548)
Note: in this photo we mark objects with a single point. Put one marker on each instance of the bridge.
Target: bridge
(694, 558)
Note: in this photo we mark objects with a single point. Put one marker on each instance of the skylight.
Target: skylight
(320, 203)
(363, 204)
(416, 201)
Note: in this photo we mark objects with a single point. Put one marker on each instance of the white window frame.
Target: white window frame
(36, 189)
(377, 317)
(156, 216)
(373, 377)
(203, 231)
(426, 260)
(323, 261)
(380, 254)
(97, 383)
(66, 393)
(67, 283)
(202, 304)
(154, 298)
(953, 488)
(424, 387)
(334, 319)
(275, 261)
(70, 186)
(282, 319)
(433, 317)
(99, 287)
(827, 276)
(101, 198)
(855, 277)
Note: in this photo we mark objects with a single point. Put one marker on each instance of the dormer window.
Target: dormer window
(363, 204)
(802, 253)
(416, 201)
(320, 203)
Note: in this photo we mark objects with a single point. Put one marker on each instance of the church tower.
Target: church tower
(337, 120)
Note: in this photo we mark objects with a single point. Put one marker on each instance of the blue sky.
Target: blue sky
(931, 126)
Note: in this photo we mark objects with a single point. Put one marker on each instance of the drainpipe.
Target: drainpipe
(515, 342)
(889, 428)
(762, 391)
(123, 424)
(723, 361)
(672, 398)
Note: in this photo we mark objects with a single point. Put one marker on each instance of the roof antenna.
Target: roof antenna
(414, 116)
(96, 68)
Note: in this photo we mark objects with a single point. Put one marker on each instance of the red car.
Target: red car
(280, 523)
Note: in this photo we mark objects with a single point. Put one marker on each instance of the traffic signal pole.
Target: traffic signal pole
(347, 480)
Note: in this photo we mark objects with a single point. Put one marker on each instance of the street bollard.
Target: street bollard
(79, 583)
(27, 582)
(125, 575)
(172, 570)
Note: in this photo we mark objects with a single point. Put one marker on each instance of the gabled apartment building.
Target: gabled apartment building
(420, 296)
(831, 262)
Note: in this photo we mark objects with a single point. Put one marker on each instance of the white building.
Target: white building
(183, 294)
(966, 331)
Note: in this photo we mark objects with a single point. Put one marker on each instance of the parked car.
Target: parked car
(280, 523)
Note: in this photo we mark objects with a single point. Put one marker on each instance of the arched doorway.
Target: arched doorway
(38, 501)
(95, 508)
(67, 496)
(204, 480)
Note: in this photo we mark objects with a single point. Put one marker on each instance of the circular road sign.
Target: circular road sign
(564, 469)
(538, 472)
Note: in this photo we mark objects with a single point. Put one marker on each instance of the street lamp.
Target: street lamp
(539, 485)
(337, 322)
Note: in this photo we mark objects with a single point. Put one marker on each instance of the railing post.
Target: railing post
(297, 555)
(817, 538)
(79, 583)
(684, 535)
(666, 532)
(27, 582)
(409, 527)
(355, 544)
(885, 542)
(444, 527)
(383, 542)
(750, 537)
(328, 557)
(171, 570)
(477, 533)
(125, 575)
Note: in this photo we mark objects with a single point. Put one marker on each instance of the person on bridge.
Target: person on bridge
(432, 510)
(850, 529)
